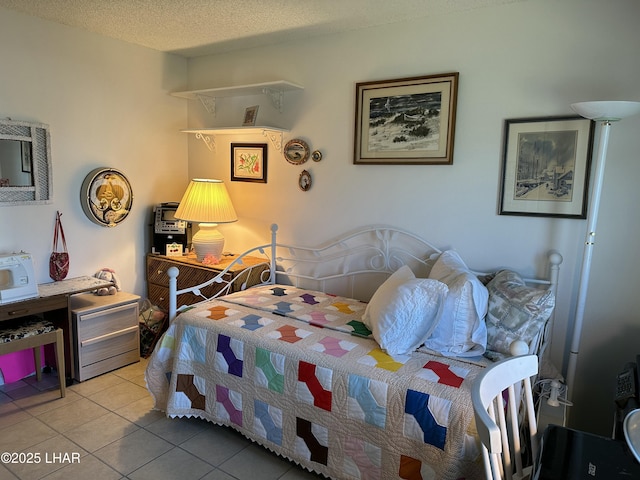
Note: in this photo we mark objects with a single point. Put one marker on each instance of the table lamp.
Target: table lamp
(207, 202)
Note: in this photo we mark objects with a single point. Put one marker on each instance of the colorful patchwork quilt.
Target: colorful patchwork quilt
(298, 372)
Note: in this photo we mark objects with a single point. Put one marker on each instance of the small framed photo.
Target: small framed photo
(249, 162)
(25, 151)
(250, 115)
(546, 166)
(408, 121)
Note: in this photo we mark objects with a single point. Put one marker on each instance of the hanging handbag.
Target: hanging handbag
(58, 261)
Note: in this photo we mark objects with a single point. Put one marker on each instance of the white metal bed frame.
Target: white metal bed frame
(374, 252)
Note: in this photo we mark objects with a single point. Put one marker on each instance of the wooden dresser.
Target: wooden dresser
(193, 273)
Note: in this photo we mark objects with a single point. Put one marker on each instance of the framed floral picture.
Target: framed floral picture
(546, 165)
(409, 121)
(249, 162)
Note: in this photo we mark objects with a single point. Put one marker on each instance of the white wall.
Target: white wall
(107, 105)
(528, 59)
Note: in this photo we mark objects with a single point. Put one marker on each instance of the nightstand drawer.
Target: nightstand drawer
(104, 322)
(108, 345)
(109, 364)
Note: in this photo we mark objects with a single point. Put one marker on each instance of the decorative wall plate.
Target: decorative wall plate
(316, 156)
(304, 181)
(296, 151)
(106, 196)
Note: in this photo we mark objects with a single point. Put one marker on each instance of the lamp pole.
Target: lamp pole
(605, 113)
(592, 220)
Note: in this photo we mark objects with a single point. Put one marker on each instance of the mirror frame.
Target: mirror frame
(42, 190)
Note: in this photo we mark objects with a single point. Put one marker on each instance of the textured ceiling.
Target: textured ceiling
(202, 27)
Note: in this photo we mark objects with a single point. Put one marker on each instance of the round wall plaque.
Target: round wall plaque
(296, 151)
(106, 196)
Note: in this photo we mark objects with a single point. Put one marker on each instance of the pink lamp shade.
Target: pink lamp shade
(207, 202)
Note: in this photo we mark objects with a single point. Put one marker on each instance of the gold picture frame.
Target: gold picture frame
(407, 121)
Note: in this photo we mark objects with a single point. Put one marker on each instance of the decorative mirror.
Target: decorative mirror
(296, 151)
(25, 163)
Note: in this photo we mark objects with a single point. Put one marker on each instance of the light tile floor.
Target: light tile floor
(105, 429)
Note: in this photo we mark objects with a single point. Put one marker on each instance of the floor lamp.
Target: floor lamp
(605, 113)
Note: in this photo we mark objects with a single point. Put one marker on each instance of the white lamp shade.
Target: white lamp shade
(612, 111)
(206, 201)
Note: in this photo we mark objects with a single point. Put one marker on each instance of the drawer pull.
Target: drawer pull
(160, 272)
(107, 336)
(24, 311)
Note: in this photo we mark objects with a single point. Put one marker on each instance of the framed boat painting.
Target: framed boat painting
(546, 165)
(409, 121)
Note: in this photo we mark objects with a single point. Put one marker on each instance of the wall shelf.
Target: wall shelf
(207, 135)
(274, 90)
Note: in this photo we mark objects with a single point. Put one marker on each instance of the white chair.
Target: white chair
(498, 416)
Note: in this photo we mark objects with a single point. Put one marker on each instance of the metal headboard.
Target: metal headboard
(353, 265)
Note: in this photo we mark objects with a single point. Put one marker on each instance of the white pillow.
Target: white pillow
(404, 310)
(461, 330)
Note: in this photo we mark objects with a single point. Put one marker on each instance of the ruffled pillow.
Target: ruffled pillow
(461, 330)
(404, 310)
(516, 311)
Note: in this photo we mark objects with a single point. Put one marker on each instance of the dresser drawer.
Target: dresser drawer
(189, 275)
(108, 364)
(97, 324)
(159, 295)
(108, 345)
(193, 273)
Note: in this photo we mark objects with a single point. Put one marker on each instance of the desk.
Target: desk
(53, 303)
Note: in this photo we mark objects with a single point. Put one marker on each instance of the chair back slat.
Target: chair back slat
(500, 423)
(531, 418)
(513, 406)
(503, 458)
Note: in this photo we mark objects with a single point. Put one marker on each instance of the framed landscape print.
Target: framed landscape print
(249, 162)
(408, 121)
(546, 165)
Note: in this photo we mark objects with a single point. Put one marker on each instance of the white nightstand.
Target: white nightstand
(106, 333)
